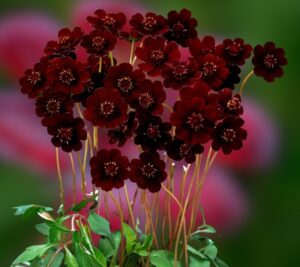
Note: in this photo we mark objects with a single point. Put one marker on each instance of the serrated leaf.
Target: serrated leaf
(32, 252)
(99, 225)
(70, 260)
(130, 236)
(30, 210)
(42, 228)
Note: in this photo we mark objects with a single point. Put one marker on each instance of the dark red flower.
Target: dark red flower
(67, 75)
(99, 42)
(124, 131)
(268, 61)
(109, 169)
(66, 43)
(67, 132)
(124, 78)
(106, 108)
(234, 52)
(34, 81)
(152, 133)
(182, 27)
(148, 98)
(179, 74)
(199, 89)
(213, 70)
(150, 24)
(228, 135)
(230, 105)
(178, 150)
(232, 79)
(194, 120)
(110, 22)
(200, 48)
(148, 171)
(156, 54)
(52, 103)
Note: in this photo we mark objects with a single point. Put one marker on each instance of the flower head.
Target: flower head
(268, 61)
(182, 27)
(148, 171)
(230, 105)
(200, 48)
(106, 108)
(109, 169)
(67, 132)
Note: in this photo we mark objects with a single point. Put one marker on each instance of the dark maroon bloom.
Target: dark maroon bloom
(106, 108)
(178, 150)
(213, 70)
(34, 81)
(109, 169)
(110, 22)
(268, 61)
(67, 75)
(194, 120)
(230, 105)
(179, 74)
(182, 27)
(228, 135)
(124, 131)
(149, 97)
(234, 52)
(150, 24)
(199, 89)
(200, 48)
(67, 132)
(124, 78)
(152, 133)
(156, 54)
(99, 42)
(66, 43)
(52, 103)
(148, 171)
(232, 79)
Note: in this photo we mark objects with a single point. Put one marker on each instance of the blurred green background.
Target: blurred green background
(271, 236)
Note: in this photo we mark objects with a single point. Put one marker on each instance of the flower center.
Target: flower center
(149, 23)
(34, 77)
(178, 30)
(234, 49)
(233, 104)
(125, 84)
(98, 42)
(157, 56)
(107, 108)
(108, 22)
(53, 106)
(148, 170)
(270, 61)
(209, 68)
(65, 134)
(111, 168)
(145, 100)
(153, 131)
(195, 121)
(180, 72)
(63, 39)
(184, 150)
(66, 76)
(228, 135)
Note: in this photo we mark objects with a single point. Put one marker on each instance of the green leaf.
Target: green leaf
(116, 236)
(211, 251)
(43, 228)
(219, 263)
(196, 262)
(147, 243)
(54, 234)
(56, 262)
(32, 252)
(86, 239)
(28, 211)
(70, 260)
(84, 259)
(130, 236)
(162, 258)
(99, 225)
(99, 257)
(207, 229)
(81, 205)
(106, 247)
(144, 253)
(59, 226)
(195, 252)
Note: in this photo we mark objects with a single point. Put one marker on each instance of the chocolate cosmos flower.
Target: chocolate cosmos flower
(109, 169)
(230, 105)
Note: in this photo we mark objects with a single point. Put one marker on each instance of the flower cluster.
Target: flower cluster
(126, 100)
